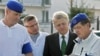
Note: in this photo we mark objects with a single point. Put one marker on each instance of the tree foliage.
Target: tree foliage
(75, 10)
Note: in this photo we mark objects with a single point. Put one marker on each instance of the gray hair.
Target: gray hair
(60, 15)
(29, 18)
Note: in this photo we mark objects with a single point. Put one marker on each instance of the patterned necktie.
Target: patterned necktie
(63, 45)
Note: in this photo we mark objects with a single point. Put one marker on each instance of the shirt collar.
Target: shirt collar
(89, 37)
(35, 34)
(78, 40)
(66, 35)
(2, 23)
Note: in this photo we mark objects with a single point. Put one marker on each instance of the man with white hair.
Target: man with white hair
(60, 43)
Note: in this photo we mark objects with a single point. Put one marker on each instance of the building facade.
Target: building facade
(44, 10)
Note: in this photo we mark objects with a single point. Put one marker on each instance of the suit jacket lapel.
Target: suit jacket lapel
(69, 40)
(57, 42)
(70, 43)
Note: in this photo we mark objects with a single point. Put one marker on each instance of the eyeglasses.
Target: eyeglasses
(30, 26)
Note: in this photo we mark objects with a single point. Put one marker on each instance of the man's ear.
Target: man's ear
(7, 11)
(88, 24)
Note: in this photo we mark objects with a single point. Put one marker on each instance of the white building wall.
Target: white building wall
(56, 5)
(34, 11)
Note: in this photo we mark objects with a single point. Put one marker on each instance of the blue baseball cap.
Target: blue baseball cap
(15, 6)
(78, 18)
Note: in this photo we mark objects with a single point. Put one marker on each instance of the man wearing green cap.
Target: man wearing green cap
(14, 38)
(87, 42)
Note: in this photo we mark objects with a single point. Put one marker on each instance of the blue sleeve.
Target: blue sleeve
(26, 48)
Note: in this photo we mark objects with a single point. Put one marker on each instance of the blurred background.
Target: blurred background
(44, 10)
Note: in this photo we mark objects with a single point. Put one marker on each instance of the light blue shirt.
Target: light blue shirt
(89, 46)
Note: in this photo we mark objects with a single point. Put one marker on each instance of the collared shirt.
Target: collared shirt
(38, 46)
(12, 39)
(66, 38)
(89, 46)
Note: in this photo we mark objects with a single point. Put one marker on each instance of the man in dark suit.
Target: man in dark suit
(53, 43)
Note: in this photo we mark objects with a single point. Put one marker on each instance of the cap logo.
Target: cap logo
(74, 21)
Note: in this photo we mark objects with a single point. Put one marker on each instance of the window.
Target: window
(0, 0)
(45, 16)
(46, 2)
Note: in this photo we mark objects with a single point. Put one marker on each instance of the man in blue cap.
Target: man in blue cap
(87, 42)
(14, 38)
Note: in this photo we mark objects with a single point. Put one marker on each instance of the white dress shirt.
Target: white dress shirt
(66, 38)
